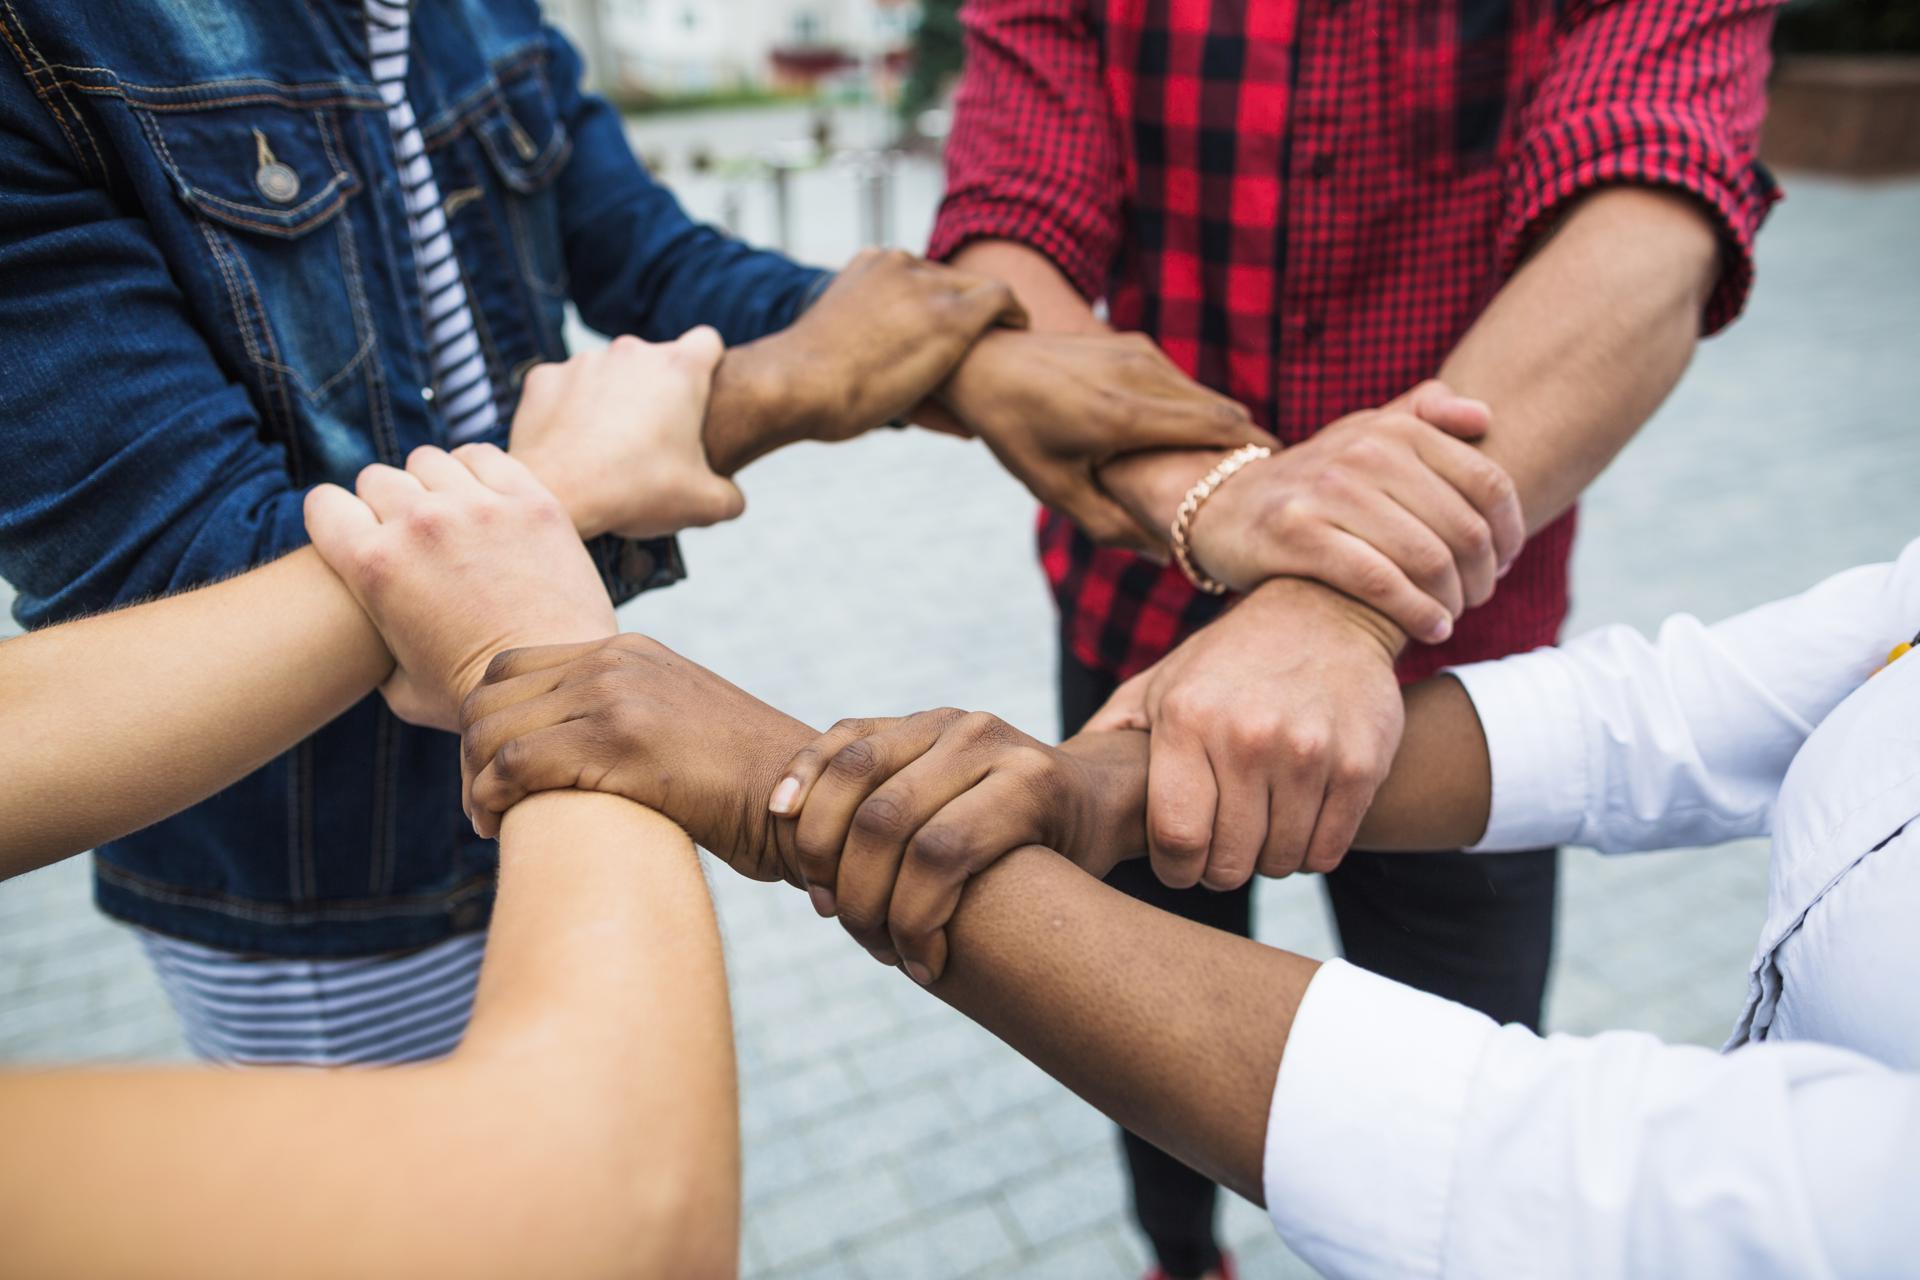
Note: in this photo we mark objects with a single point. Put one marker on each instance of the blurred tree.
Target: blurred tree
(936, 57)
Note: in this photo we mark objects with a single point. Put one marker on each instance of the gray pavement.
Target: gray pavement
(886, 1138)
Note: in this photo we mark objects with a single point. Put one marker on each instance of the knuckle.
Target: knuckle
(511, 761)
(473, 752)
(1476, 538)
(373, 565)
(1375, 580)
(819, 857)
(941, 849)
(429, 521)
(1300, 747)
(1177, 837)
(981, 726)
(1430, 561)
(1279, 864)
(1322, 862)
(1255, 733)
(860, 921)
(881, 818)
(855, 761)
(1367, 451)
(1223, 876)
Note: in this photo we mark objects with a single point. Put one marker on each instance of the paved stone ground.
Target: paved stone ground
(889, 1139)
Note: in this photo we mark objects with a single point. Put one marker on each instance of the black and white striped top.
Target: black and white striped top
(373, 1010)
(461, 385)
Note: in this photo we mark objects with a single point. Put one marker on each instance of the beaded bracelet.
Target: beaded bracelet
(1190, 507)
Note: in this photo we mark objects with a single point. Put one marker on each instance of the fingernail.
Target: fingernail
(822, 900)
(919, 973)
(1505, 569)
(1440, 630)
(784, 795)
(891, 959)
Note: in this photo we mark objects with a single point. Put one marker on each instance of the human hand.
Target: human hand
(888, 330)
(1272, 729)
(628, 716)
(1390, 506)
(456, 558)
(1056, 407)
(887, 819)
(616, 434)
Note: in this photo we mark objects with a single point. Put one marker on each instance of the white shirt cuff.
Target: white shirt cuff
(1365, 1123)
(1529, 709)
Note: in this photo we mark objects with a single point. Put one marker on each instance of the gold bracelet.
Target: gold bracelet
(1190, 507)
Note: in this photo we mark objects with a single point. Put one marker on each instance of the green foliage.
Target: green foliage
(1849, 26)
(936, 57)
(641, 102)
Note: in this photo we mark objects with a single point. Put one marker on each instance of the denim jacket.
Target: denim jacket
(188, 341)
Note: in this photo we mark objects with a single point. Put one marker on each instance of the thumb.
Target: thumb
(720, 501)
(1443, 407)
(1126, 709)
(702, 347)
(989, 304)
(338, 522)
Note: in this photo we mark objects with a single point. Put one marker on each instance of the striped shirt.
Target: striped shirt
(370, 1010)
(461, 388)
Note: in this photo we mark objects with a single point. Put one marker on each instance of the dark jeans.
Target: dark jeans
(1476, 928)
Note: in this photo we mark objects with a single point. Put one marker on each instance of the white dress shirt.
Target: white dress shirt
(1410, 1136)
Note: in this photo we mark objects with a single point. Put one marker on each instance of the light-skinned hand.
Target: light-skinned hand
(457, 557)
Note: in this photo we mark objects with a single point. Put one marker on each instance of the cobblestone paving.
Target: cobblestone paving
(889, 1139)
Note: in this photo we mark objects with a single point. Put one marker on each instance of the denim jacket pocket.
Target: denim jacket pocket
(267, 187)
(527, 144)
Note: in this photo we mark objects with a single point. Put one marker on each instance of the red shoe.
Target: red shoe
(1223, 1269)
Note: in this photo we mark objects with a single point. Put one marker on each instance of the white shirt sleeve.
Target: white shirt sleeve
(1409, 1136)
(1622, 743)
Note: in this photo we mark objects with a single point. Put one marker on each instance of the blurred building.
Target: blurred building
(680, 47)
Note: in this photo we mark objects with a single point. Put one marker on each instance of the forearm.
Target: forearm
(604, 1002)
(750, 414)
(116, 721)
(1587, 339)
(1053, 305)
(586, 1127)
(1174, 1030)
(1573, 355)
(1440, 791)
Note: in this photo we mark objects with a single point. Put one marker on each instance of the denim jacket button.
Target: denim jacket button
(277, 182)
(467, 916)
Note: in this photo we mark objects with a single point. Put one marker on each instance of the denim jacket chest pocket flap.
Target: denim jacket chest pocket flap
(516, 127)
(267, 185)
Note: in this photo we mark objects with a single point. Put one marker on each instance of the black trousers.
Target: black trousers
(1476, 928)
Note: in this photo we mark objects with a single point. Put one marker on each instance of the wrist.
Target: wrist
(1152, 485)
(1107, 778)
(755, 407)
(1368, 625)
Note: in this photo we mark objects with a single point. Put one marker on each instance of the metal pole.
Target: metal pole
(780, 173)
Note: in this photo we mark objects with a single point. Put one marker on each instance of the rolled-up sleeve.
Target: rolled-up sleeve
(637, 262)
(1668, 94)
(1409, 1136)
(1034, 157)
(1626, 743)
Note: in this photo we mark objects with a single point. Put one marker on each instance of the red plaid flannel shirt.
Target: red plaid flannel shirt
(1307, 202)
